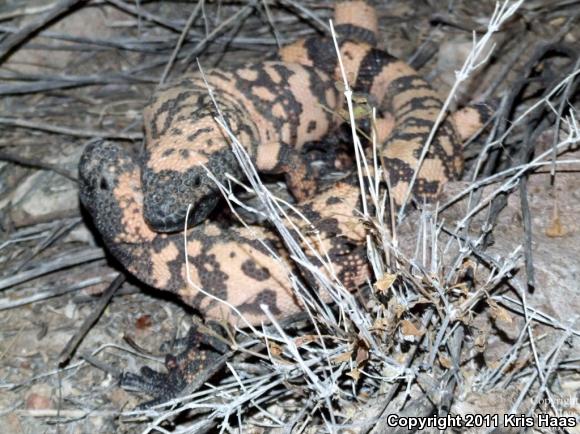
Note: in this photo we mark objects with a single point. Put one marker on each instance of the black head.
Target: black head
(168, 194)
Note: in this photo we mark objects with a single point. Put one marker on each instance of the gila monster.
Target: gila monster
(273, 108)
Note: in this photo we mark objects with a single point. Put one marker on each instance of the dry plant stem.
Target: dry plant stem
(536, 315)
(359, 154)
(240, 15)
(74, 342)
(273, 209)
(35, 26)
(501, 75)
(373, 188)
(573, 138)
(521, 372)
(51, 291)
(48, 83)
(19, 238)
(516, 122)
(527, 223)
(563, 103)
(140, 13)
(532, 340)
(69, 131)
(68, 414)
(185, 31)
(74, 258)
(550, 357)
(474, 60)
(37, 163)
(271, 22)
(492, 179)
(308, 14)
(26, 10)
(57, 233)
(489, 153)
(102, 366)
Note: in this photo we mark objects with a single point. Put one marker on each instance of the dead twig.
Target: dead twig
(37, 163)
(71, 259)
(52, 291)
(15, 40)
(75, 132)
(104, 300)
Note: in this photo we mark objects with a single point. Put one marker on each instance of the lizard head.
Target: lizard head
(183, 143)
(168, 193)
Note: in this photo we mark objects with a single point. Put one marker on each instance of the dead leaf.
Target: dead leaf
(399, 310)
(382, 324)
(306, 339)
(480, 342)
(384, 283)
(499, 313)
(445, 361)
(362, 354)
(462, 288)
(410, 329)
(556, 229)
(355, 374)
(341, 358)
(275, 349)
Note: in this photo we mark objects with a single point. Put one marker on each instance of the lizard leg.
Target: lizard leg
(199, 360)
(301, 177)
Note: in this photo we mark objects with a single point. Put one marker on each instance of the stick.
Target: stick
(34, 27)
(74, 342)
(70, 131)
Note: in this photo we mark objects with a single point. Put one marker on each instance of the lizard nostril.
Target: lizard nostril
(103, 184)
(194, 181)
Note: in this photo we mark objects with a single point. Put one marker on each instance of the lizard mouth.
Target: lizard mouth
(201, 212)
(174, 221)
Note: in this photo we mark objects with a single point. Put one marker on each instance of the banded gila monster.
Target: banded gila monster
(273, 108)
